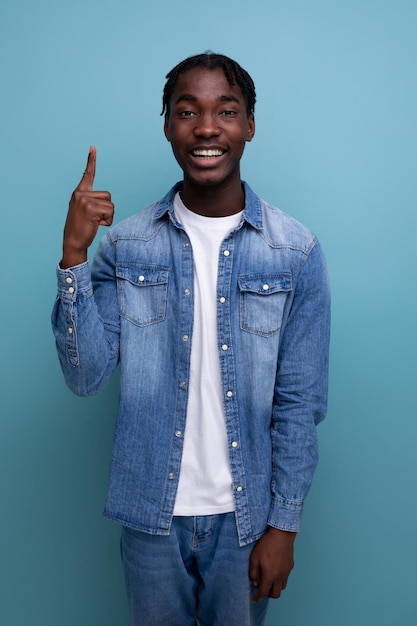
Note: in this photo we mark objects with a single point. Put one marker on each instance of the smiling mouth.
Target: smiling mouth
(207, 154)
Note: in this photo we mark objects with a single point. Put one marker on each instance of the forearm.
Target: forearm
(300, 398)
(87, 346)
(294, 463)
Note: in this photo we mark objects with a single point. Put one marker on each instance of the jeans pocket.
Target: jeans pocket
(142, 293)
(262, 301)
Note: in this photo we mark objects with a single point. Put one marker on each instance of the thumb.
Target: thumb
(254, 570)
(87, 180)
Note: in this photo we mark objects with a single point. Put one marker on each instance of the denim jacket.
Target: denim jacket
(136, 308)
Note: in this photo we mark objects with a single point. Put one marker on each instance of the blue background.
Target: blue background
(336, 147)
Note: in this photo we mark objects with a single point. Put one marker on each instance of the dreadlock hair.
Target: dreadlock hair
(234, 73)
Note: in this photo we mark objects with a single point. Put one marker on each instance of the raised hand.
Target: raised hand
(87, 211)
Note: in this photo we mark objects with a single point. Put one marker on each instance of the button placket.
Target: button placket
(222, 299)
(182, 371)
(227, 366)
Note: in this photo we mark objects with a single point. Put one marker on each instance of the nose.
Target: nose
(207, 126)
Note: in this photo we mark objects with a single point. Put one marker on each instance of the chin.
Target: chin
(207, 179)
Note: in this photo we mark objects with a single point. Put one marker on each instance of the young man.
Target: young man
(216, 305)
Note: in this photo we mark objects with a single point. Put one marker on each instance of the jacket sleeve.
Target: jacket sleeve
(86, 324)
(300, 398)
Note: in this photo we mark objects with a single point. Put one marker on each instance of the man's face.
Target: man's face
(208, 126)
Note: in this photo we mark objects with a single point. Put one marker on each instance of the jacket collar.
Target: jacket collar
(252, 212)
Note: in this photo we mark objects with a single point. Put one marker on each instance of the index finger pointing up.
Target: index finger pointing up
(86, 182)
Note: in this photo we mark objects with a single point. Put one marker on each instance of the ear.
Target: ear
(251, 127)
(166, 130)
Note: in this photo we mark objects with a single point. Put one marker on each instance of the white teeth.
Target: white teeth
(207, 153)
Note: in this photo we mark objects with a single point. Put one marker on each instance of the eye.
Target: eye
(228, 113)
(185, 113)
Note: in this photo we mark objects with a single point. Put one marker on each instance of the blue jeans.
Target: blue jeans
(198, 572)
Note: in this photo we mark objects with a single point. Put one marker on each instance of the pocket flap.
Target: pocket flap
(266, 284)
(142, 275)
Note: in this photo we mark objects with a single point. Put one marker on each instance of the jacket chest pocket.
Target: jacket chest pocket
(142, 293)
(262, 301)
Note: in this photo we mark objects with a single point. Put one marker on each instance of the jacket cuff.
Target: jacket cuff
(285, 514)
(74, 280)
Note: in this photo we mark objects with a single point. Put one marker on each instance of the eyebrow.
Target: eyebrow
(190, 98)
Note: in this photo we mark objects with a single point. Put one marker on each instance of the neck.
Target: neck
(213, 201)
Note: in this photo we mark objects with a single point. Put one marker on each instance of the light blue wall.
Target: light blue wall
(336, 146)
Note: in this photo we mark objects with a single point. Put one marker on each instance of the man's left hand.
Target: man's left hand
(271, 562)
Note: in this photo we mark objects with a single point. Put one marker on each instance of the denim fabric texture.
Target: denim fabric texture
(197, 572)
(136, 307)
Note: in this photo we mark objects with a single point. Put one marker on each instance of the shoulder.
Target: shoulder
(137, 225)
(145, 223)
(277, 227)
(283, 230)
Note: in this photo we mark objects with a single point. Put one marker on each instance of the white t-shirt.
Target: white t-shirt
(205, 483)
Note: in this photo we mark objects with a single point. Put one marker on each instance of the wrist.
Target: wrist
(284, 535)
(70, 258)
